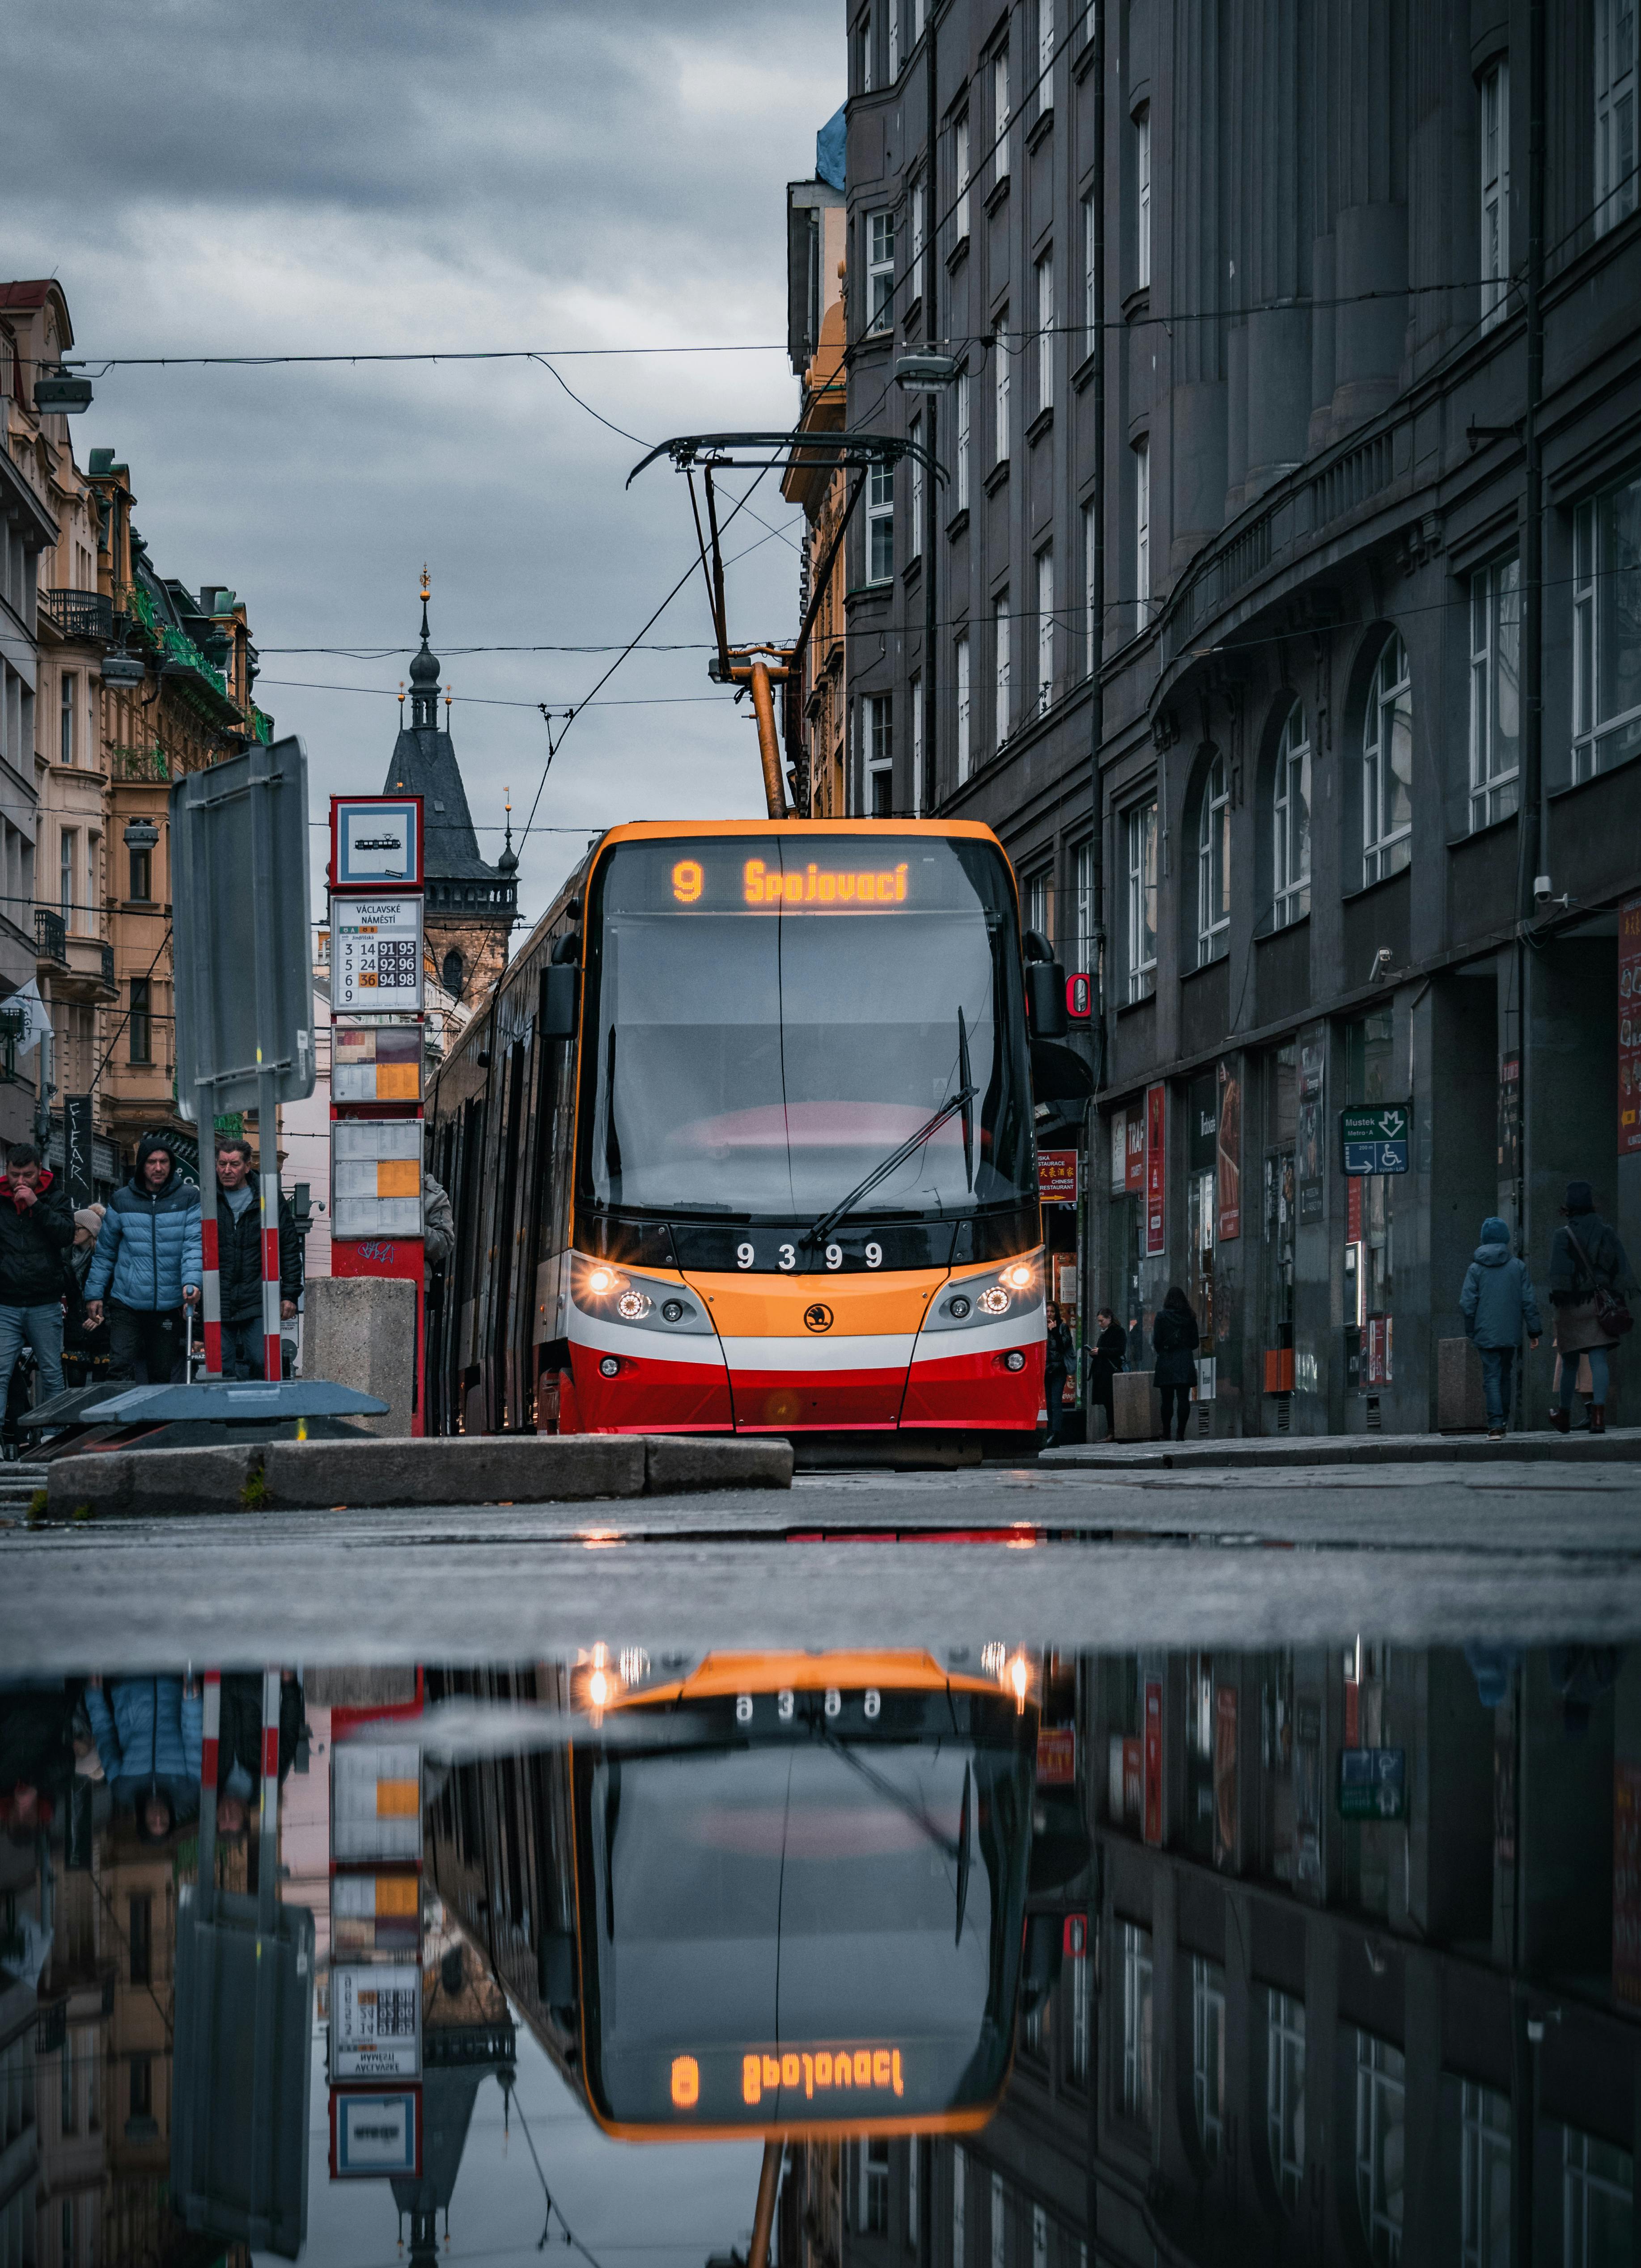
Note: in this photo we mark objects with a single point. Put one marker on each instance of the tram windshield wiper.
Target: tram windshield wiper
(818, 1231)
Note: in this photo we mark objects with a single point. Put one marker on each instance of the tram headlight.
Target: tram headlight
(994, 1300)
(1015, 1290)
(634, 1304)
(602, 1281)
(620, 1295)
(1020, 1274)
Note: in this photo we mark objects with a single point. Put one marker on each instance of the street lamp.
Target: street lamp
(141, 834)
(926, 374)
(124, 669)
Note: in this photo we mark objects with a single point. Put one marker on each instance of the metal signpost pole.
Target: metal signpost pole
(262, 785)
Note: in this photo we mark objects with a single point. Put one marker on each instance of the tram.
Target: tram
(801, 1908)
(742, 1143)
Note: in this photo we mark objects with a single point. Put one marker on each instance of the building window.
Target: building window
(66, 2105)
(914, 485)
(880, 756)
(863, 52)
(1045, 331)
(894, 40)
(1213, 867)
(1615, 112)
(142, 875)
(1284, 2094)
(1143, 197)
(962, 706)
(92, 843)
(139, 1030)
(65, 2233)
(70, 696)
(919, 226)
(1000, 2222)
(917, 746)
(1002, 669)
(875, 2186)
(140, 1909)
(1381, 2140)
(880, 271)
(999, 378)
(1091, 309)
(142, 2096)
(68, 859)
(1290, 823)
(1141, 824)
(1083, 920)
(1087, 590)
(1484, 2232)
(1135, 1947)
(999, 108)
(1208, 2054)
(880, 523)
(959, 2201)
(914, 2170)
(1038, 918)
(1607, 630)
(1143, 532)
(1495, 192)
(1495, 692)
(960, 157)
(1076, 1964)
(1387, 766)
(1045, 55)
(1044, 628)
(1597, 2201)
(962, 450)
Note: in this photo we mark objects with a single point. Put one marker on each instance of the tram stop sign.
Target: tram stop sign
(1377, 1139)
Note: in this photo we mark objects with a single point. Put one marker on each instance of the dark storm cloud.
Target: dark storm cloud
(207, 177)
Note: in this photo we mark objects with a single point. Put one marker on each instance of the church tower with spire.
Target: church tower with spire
(470, 907)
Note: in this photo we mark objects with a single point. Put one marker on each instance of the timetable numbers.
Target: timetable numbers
(874, 1256)
(744, 1256)
(789, 1255)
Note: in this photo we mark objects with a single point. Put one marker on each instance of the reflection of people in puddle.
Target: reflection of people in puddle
(45, 1741)
(148, 1732)
(240, 1743)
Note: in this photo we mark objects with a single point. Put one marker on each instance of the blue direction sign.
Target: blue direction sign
(1377, 1138)
(1373, 1784)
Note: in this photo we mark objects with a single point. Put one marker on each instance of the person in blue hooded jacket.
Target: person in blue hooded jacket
(149, 1732)
(1496, 1301)
(148, 1263)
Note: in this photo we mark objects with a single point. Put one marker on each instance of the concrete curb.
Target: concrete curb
(499, 1468)
(1620, 1446)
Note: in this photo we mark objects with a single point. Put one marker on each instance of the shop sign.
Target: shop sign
(1080, 997)
(1377, 1139)
(1630, 1027)
(1510, 1108)
(1373, 1783)
(1310, 1144)
(1057, 1177)
(1227, 1154)
(1057, 1756)
(1153, 1739)
(1134, 1176)
(1376, 1357)
(1119, 1152)
(1155, 1166)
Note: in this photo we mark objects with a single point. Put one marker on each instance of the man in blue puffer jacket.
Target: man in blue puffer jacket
(148, 1732)
(1496, 1299)
(148, 1261)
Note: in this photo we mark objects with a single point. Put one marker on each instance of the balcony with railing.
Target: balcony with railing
(51, 936)
(78, 614)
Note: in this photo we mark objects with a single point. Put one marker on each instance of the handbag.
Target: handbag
(1612, 1314)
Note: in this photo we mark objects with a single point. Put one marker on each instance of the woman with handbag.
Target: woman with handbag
(1590, 1280)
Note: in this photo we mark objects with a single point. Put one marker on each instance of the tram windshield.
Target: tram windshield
(768, 1020)
(819, 1929)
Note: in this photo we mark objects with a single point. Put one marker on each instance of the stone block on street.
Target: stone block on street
(360, 1331)
(462, 1469)
(674, 1462)
(154, 1484)
(1136, 1406)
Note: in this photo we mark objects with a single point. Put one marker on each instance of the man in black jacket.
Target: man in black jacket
(36, 1230)
(240, 1259)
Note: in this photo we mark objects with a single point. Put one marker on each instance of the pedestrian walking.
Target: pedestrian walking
(1111, 1350)
(240, 1752)
(1059, 1362)
(147, 1264)
(1590, 1281)
(149, 1732)
(1174, 1337)
(240, 1259)
(84, 1350)
(1496, 1302)
(36, 1230)
(438, 1228)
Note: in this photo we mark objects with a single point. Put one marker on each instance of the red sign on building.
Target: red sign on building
(1156, 1165)
(1057, 1177)
(1134, 1183)
(1630, 1027)
(1153, 1737)
(1056, 1756)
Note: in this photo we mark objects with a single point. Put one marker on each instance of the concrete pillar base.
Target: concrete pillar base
(360, 1331)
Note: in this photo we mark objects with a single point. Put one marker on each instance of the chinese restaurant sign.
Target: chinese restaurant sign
(1156, 1166)
(1057, 1177)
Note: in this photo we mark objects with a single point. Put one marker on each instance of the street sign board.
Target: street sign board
(376, 2021)
(376, 953)
(376, 1178)
(375, 2132)
(375, 841)
(375, 1802)
(375, 1917)
(1057, 1177)
(1377, 1138)
(1373, 1783)
(376, 1063)
(239, 859)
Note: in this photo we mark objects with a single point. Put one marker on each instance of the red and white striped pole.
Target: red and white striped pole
(268, 1843)
(210, 1289)
(268, 1190)
(208, 1752)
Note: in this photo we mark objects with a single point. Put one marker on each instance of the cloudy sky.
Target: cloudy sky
(302, 178)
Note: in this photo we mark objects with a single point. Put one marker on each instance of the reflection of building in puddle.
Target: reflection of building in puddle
(467, 2037)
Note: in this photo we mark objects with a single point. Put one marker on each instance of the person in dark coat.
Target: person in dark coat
(36, 1230)
(1059, 1363)
(1586, 1257)
(239, 1260)
(1111, 1350)
(148, 1261)
(1174, 1337)
(1496, 1301)
(240, 1743)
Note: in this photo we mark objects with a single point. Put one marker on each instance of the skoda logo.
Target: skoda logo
(817, 1318)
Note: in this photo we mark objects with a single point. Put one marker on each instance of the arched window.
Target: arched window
(1290, 823)
(1387, 766)
(1212, 866)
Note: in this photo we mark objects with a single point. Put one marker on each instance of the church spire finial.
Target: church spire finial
(424, 673)
(508, 862)
(427, 591)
